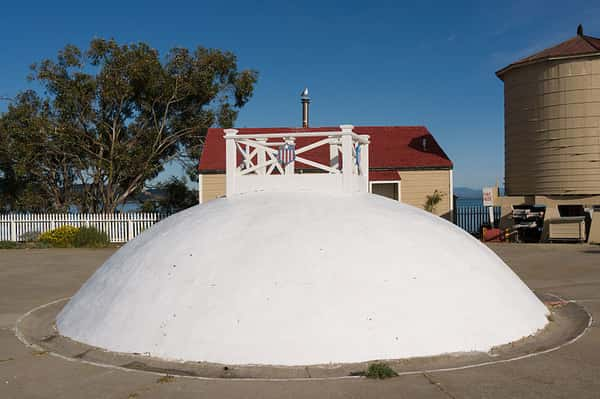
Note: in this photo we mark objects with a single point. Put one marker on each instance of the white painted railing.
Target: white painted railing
(266, 162)
(120, 227)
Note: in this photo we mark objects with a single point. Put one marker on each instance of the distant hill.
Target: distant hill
(465, 192)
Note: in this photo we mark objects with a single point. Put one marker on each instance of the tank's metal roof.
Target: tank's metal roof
(580, 45)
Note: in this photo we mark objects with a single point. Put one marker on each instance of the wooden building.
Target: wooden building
(405, 163)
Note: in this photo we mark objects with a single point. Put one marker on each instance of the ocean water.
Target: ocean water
(466, 202)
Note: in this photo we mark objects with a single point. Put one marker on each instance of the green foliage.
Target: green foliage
(149, 206)
(109, 117)
(90, 237)
(380, 371)
(36, 155)
(69, 236)
(177, 196)
(61, 237)
(18, 192)
(37, 245)
(30, 236)
(165, 379)
(8, 245)
(24, 245)
(433, 200)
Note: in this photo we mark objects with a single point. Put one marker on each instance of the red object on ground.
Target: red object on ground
(493, 235)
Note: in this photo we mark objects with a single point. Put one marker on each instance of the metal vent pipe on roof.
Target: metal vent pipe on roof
(305, 103)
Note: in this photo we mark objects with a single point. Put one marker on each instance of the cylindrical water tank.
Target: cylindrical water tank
(552, 121)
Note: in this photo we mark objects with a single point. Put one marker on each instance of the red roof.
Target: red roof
(384, 175)
(577, 46)
(391, 147)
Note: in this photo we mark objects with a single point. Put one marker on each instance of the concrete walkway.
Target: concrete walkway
(29, 278)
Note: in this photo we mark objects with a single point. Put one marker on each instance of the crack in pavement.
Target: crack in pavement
(438, 386)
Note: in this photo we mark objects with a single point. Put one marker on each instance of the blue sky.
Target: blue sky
(365, 63)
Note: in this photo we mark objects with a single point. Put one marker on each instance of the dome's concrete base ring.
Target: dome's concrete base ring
(36, 329)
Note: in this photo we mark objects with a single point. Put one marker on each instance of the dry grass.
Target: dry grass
(165, 379)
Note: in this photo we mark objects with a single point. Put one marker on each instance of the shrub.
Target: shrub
(30, 236)
(8, 245)
(380, 371)
(61, 237)
(36, 245)
(91, 237)
(433, 200)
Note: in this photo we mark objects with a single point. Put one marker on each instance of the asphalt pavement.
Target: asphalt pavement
(29, 278)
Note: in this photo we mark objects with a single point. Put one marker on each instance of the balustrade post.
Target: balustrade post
(290, 167)
(261, 157)
(334, 158)
(347, 149)
(364, 165)
(231, 161)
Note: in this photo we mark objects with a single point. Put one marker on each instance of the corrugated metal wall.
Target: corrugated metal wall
(552, 128)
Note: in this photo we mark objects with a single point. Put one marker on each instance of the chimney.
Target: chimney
(305, 101)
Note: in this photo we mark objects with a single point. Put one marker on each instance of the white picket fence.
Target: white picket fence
(120, 227)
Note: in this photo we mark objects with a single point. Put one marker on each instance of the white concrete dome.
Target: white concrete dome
(302, 278)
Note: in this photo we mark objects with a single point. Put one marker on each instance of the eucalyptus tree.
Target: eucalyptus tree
(112, 116)
(37, 172)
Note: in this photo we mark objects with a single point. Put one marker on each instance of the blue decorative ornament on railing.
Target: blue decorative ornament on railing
(286, 154)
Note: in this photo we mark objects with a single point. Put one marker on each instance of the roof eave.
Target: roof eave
(373, 169)
(515, 65)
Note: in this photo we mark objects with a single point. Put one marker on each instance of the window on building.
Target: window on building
(389, 190)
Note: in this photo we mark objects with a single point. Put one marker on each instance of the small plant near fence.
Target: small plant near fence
(8, 245)
(61, 237)
(78, 237)
(30, 236)
(90, 237)
(29, 239)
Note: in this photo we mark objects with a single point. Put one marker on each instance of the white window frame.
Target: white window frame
(200, 187)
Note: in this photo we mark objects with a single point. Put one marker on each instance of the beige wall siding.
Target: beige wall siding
(213, 186)
(418, 184)
(552, 128)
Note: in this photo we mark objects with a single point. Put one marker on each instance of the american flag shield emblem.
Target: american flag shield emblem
(286, 154)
